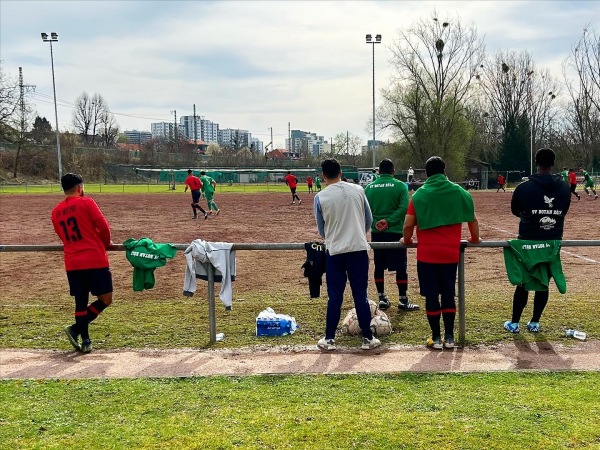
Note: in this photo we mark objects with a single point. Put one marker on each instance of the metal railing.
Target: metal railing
(212, 322)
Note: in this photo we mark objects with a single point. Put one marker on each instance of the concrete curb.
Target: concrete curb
(49, 364)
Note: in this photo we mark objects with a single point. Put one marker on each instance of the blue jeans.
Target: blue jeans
(353, 266)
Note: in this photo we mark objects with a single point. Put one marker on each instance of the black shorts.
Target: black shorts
(96, 281)
(293, 190)
(196, 196)
(393, 259)
(437, 279)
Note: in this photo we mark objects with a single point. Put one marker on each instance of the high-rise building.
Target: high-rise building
(258, 146)
(166, 129)
(204, 130)
(235, 138)
(137, 137)
(305, 143)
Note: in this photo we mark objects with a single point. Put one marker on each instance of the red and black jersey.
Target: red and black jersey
(572, 178)
(309, 181)
(193, 182)
(84, 231)
(291, 180)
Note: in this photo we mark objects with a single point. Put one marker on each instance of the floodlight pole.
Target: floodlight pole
(54, 38)
(369, 40)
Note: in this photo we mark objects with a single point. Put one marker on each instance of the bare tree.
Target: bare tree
(87, 116)
(9, 99)
(109, 129)
(435, 62)
(582, 116)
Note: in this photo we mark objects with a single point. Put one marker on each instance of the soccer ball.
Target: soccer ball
(350, 324)
(381, 325)
(374, 308)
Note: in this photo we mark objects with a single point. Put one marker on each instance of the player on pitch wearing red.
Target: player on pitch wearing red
(501, 183)
(85, 234)
(194, 183)
(309, 183)
(292, 182)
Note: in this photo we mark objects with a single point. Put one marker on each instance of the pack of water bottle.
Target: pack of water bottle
(269, 323)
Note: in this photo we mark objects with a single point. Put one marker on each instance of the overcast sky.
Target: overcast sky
(250, 64)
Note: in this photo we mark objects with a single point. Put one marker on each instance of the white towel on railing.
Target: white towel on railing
(197, 257)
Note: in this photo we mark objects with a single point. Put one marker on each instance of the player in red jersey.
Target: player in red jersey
(85, 234)
(194, 183)
(501, 183)
(292, 182)
(309, 182)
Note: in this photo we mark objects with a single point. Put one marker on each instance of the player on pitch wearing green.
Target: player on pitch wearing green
(208, 187)
(565, 175)
(588, 183)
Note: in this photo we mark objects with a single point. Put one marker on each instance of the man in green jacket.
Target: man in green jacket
(388, 199)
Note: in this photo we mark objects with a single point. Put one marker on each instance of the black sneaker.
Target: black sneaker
(86, 346)
(405, 305)
(73, 338)
(205, 216)
(384, 302)
(449, 341)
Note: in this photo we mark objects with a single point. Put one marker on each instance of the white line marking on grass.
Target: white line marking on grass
(562, 251)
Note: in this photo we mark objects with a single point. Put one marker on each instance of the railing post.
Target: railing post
(461, 294)
(212, 321)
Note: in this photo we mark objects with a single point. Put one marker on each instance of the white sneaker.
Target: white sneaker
(369, 344)
(326, 344)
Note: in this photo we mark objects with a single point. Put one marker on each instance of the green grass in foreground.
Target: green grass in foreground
(417, 411)
(182, 322)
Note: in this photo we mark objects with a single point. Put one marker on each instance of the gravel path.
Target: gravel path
(41, 364)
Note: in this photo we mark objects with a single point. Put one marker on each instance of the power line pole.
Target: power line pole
(290, 139)
(195, 129)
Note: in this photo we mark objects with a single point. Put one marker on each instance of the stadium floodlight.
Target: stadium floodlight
(369, 40)
(54, 38)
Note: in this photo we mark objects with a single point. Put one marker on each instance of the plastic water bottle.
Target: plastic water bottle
(220, 337)
(576, 334)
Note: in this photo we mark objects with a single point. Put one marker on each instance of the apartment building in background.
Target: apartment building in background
(137, 137)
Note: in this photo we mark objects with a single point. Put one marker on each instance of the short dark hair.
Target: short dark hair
(331, 168)
(386, 166)
(189, 171)
(289, 172)
(564, 168)
(434, 166)
(545, 157)
(69, 181)
(203, 173)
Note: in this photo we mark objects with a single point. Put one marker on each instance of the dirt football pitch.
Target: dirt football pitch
(246, 218)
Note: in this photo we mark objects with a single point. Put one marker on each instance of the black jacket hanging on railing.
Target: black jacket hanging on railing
(314, 267)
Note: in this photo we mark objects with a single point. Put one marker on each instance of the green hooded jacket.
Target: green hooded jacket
(388, 199)
(145, 256)
(441, 202)
(531, 264)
